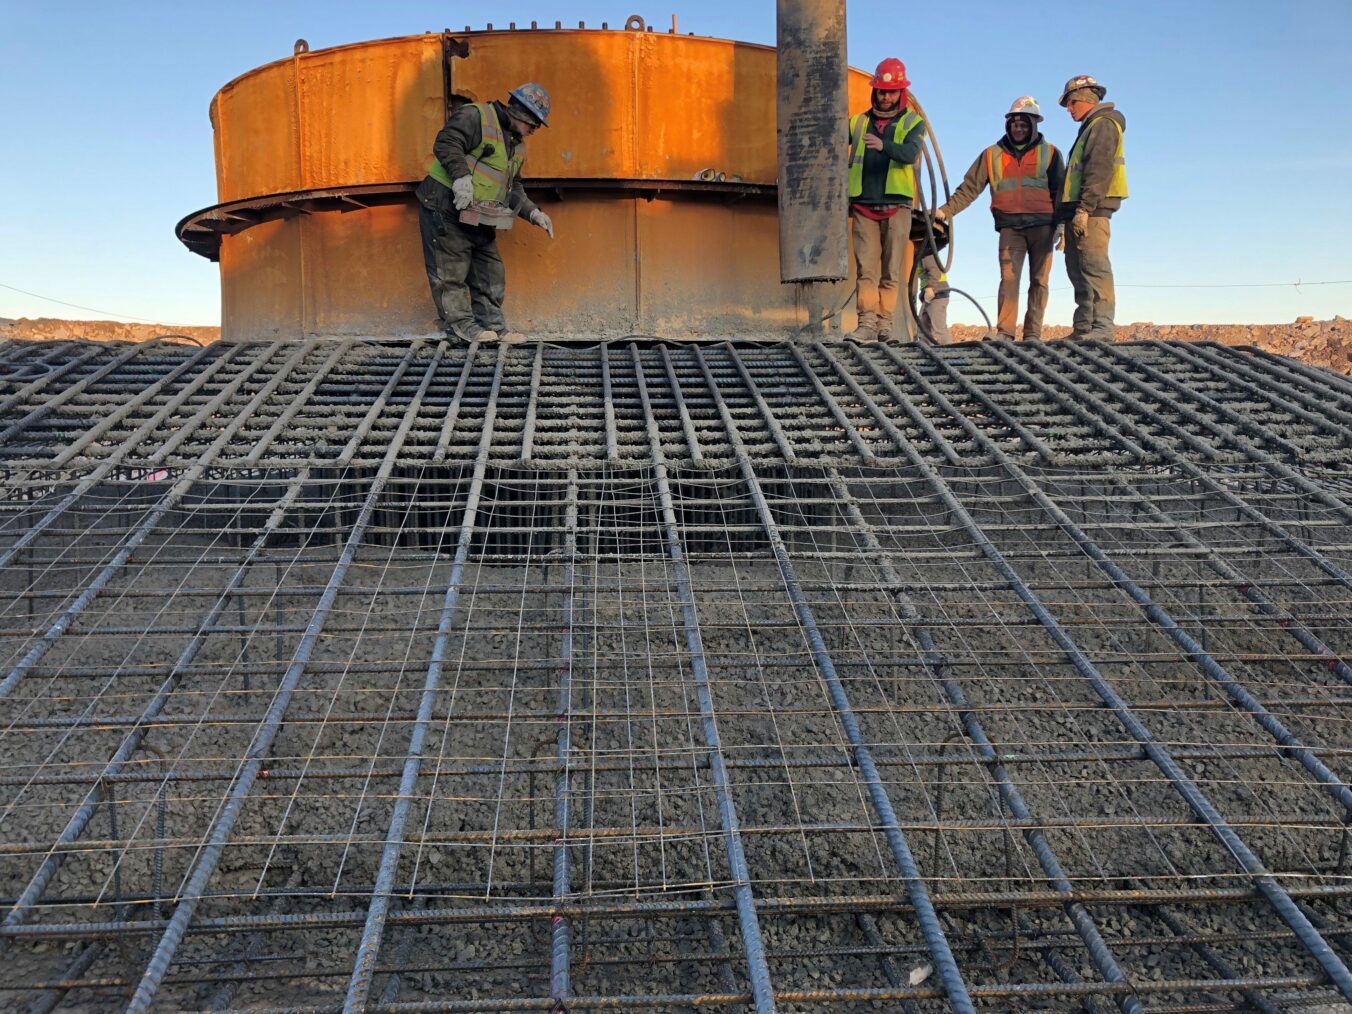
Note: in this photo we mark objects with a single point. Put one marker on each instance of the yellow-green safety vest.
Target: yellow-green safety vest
(491, 171)
(1117, 186)
(900, 177)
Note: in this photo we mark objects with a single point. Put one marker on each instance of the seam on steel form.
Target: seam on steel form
(79, 821)
(1265, 603)
(166, 503)
(300, 401)
(116, 459)
(748, 923)
(1173, 457)
(223, 825)
(128, 405)
(937, 941)
(453, 409)
(368, 949)
(1158, 754)
(1157, 615)
(560, 931)
(44, 409)
(1252, 453)
(1099, 951)
(1298, 404)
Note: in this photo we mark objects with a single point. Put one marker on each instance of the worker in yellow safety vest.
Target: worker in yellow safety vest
(473, 188)
(885, 142)
(1094, 188)
(1025, 173)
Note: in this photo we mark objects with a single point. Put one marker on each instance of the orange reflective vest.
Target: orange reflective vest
(1019, 183)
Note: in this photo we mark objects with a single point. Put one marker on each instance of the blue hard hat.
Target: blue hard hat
(534, 99)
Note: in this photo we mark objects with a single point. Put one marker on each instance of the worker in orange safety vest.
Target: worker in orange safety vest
(1025, 173)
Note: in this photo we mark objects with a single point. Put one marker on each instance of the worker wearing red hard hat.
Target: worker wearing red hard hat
(1095, 186)
(473, 188)
(1025, 173)
(885, 142)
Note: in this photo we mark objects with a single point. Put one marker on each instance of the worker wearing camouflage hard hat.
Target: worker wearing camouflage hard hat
(885, 142)
(1025, 173)
(1094, 188)
(473, 188)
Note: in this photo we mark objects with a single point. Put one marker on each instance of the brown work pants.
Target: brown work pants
(1091, 273)
(879, 249)
(1035, 244)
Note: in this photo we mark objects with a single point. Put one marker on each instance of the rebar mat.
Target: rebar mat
(795, 678)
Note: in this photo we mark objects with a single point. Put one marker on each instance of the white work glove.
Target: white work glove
(940, 215)
(1080, 223)
(1059, 237)
(928, 294)
(538, 217)
(463, 192)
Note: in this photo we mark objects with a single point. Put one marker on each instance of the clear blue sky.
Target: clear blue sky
(1239, 141)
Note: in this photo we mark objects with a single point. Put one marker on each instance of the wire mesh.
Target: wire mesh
(793, 678)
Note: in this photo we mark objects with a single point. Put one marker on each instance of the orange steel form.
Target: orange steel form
(658, 169)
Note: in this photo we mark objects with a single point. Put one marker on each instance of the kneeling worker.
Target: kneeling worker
(473, 188)
(1025, 174)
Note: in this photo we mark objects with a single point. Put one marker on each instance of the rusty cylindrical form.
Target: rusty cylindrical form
(658, 169)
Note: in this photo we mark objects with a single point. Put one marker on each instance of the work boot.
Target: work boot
(863, 335)
(485, 336)
(511, 337)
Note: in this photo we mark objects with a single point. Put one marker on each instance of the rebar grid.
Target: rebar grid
(339, 676)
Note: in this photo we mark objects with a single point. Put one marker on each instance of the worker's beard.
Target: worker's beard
(887, 114)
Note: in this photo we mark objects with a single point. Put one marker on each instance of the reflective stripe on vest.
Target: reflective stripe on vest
(1019, 184)
(1117, 186)
(491, 171)
(900, 176)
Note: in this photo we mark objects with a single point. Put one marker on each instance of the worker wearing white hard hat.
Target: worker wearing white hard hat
(1024, 172)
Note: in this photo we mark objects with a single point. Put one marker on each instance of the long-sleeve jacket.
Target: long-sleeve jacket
(978, 178)
(876, 163)
(1098, 155)
(461, 135)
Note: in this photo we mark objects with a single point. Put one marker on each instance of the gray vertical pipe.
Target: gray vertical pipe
(811, 110)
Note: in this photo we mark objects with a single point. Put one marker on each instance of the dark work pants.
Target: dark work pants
(464, 268)
(1091, 275)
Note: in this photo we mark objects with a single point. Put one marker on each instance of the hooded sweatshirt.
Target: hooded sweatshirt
(977, 179)
(1100, 148)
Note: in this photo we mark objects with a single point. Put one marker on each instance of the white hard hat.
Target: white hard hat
(1025, 105)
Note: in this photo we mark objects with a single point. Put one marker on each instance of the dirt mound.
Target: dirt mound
(55, 329)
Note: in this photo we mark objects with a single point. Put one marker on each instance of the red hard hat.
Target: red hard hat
(890, 76)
